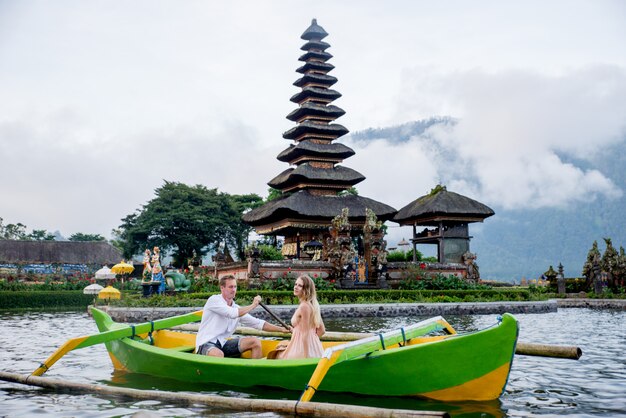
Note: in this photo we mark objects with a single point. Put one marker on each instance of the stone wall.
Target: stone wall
(135, 315)
(270, 270)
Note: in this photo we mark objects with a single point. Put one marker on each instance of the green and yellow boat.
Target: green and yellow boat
(410, 361)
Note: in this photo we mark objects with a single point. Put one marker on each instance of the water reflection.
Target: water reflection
(593, 386)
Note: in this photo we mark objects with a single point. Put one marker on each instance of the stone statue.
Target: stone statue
(469, 259)
(157, 271)
(382, 268)
(146, 275)
(253, 262)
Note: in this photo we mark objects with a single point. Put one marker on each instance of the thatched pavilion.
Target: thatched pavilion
(313, 187)
(446, 216)
(94, 254)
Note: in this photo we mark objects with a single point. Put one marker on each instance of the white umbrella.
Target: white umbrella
(92, 289)
(105, 273)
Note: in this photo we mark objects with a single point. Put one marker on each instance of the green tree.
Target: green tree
(79, 236)
(609, 262)
(273, 194)
(40, 235)
(12, 231)
(352, 190)
(239, 231)
(182, 219)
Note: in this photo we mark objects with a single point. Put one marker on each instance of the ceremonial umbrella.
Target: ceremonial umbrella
(105, 274)
(122, 268)
(92, 289)
(109, 292)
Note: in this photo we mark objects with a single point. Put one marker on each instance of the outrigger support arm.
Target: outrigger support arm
(116, 334)
(343, 352)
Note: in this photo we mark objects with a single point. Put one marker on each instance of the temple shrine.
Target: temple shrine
(314, 187)
(445, 216)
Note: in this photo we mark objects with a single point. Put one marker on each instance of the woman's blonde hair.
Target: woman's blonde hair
(310, 295)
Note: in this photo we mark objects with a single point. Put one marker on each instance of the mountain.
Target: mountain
(514, 244)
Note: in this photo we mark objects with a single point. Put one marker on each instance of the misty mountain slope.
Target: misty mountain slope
(516, 243)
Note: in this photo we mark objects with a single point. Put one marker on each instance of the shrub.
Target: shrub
(47, 299)
(269, 252)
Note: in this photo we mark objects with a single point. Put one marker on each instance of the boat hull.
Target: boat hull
(473, 366)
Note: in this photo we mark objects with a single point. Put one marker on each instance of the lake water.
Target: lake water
(593, 386)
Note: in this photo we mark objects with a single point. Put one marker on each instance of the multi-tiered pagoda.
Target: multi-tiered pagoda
(313, 184)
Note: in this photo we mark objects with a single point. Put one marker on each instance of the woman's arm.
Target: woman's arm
(321, 330)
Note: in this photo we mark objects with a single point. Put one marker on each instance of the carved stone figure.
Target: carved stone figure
(146, 275)
(157, 271)
(253, 262)
(469, 259)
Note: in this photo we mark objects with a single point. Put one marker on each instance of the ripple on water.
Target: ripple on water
(593, 386)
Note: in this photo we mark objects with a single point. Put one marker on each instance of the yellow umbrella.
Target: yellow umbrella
(122, 268)
(109, 292)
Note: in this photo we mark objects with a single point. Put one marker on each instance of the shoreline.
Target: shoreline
(385, 309)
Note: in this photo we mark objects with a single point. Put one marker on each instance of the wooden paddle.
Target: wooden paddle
(280, 321)
(347, 351)
(115, 334)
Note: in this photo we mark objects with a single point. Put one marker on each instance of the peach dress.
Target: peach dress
(304, 340)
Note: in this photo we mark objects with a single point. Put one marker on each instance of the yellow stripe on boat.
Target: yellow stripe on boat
(484, 388)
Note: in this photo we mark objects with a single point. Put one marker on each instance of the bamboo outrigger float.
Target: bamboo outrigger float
(405, 362)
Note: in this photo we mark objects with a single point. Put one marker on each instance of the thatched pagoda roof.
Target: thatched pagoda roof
(323, 67)
(441, 204)
(304, 173)
(315, 55)
(321, 45)
(315, 109)
(304, 205)
(48, 252)
(314, 31)
(315, 128)
(317, 93)
(312, 78)
(334, 151)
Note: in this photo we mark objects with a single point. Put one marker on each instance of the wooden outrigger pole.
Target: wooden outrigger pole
(214, 401)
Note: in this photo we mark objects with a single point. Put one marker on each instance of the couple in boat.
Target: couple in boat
(221, 316)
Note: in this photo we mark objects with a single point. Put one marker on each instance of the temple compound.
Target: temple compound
(325, 227)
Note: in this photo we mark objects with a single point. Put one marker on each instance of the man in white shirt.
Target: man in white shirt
(220, 318)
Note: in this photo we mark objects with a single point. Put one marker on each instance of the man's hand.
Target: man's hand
(288, 329)
(256, 300)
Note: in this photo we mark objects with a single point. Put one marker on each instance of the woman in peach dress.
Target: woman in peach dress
(307, 323)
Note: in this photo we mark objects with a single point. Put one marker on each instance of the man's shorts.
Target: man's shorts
(230, 348)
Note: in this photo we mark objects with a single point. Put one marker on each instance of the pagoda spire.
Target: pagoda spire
(314, 156)
(311, 187)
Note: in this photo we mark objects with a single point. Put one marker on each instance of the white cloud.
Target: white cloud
(513, 125)
(101, 101)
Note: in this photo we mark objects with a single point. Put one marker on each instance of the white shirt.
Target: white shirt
(219, 321)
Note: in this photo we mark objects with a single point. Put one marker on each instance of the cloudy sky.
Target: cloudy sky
(102, 101)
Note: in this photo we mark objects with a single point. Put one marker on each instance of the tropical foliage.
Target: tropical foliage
(18, 232)
(187, 221)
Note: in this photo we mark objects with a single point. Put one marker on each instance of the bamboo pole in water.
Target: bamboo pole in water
(545, 350)
(522, 348)
(214, 401)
